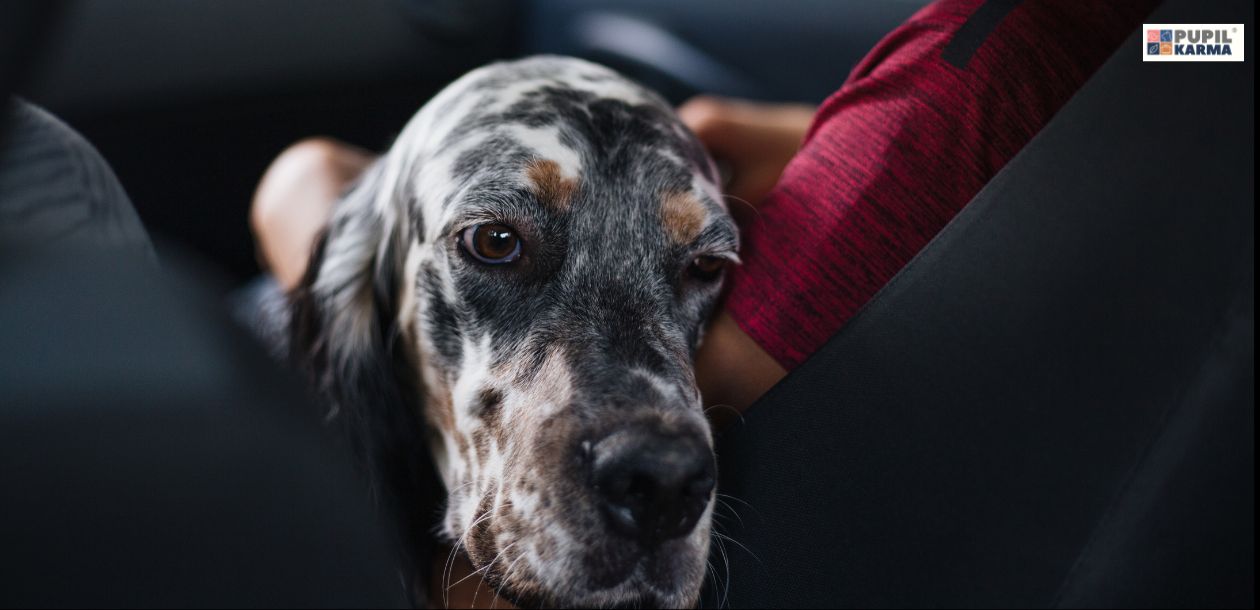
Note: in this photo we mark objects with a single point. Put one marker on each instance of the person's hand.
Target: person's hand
(753, 140)
(294, 201)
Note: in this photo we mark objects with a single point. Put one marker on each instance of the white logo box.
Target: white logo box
(1194, 41)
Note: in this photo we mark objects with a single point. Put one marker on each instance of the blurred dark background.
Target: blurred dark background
(189, 101)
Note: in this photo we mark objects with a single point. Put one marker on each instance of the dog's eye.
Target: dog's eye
(707, 267)
(494, 244)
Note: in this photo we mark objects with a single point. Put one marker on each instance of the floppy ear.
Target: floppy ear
(343, 331)
(343, 308)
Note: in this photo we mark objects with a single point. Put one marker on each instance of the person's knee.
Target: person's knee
(295, 197)
(309, 167)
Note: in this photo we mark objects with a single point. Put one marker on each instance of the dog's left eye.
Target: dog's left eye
(707, 267)
(493, 243)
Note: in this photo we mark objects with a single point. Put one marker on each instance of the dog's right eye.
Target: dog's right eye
(493, 244)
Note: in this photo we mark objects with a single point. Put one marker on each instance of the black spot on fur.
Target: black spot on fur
(489, 404)
(441, 322)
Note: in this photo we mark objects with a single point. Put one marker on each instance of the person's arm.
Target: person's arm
(753, 141)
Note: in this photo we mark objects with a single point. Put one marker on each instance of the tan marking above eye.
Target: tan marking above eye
(549, 184)
(683, 215)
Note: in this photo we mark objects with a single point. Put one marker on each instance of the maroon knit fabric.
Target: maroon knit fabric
(904, 144)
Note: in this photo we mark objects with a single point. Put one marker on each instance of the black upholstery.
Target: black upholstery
(1052, 405)
(151, 455)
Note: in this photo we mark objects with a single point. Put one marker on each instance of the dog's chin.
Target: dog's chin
(532, 598)
(668, 577)
(641, 601)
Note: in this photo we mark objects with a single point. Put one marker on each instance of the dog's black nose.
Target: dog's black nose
(652, 486)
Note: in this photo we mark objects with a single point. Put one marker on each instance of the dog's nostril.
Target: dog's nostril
(701, 486)
(653, 487)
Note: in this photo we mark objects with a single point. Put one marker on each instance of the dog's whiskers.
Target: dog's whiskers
(739, 414)
(726, 506)
(738, 544)
(726, 591)
(755, 209)
(483, 571)
(446, 574)
(478, 521)
(507, 574)
(721, 539)
(449, 567)
(712, 574)
(450, 560)
(726, 563)
(486, 569)
(723, 497)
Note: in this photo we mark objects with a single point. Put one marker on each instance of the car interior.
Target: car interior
(223, 87)
(1052, 405)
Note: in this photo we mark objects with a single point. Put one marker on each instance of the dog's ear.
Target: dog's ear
(343, 308)
(344, 337)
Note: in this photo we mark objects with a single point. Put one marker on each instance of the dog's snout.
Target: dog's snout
(652, 486)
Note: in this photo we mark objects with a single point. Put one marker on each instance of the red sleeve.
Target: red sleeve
(922, 123)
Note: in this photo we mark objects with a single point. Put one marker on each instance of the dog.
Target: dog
(520, 285)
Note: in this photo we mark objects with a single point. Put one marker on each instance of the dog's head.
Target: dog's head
(543, 245)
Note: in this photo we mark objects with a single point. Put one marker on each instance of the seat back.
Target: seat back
(1052, 404)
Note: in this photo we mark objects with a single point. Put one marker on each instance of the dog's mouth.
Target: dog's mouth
(531, 601)
(649, 551)
(651, 581)
(615, 513)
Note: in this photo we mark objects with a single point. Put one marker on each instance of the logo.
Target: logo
(1192, 42)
